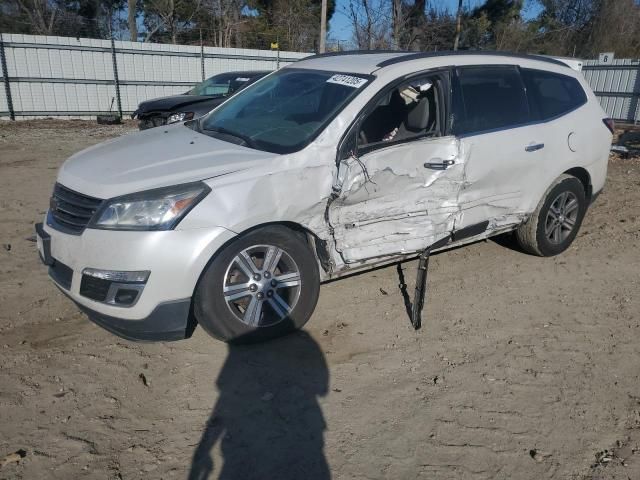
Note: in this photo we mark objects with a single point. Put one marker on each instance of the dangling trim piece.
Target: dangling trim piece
(421, 282)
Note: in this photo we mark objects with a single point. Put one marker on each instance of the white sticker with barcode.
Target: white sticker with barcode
(242, 79)
(347, 80)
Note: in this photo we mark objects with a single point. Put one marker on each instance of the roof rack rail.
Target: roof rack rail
(352, 52)
(419, 55)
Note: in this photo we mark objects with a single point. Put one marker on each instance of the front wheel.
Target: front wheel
(263, 285)
(554, 224)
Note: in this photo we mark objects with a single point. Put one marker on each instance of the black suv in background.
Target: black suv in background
(198, 101)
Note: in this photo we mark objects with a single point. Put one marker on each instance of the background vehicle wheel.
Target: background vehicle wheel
(556, 221)
(108, 119)
(263, 285)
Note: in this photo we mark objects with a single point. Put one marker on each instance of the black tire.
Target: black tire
(533, 234)
(108, 120)
(145, 124)
(216, 316)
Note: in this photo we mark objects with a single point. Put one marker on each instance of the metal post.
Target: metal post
(636, 92)
(5, 76)
(201, 55)
(115, 75)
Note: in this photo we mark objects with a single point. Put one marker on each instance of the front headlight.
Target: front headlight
(159, 209)
(180, 117)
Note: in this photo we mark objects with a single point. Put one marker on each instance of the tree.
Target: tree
(615, 28)
(292, 22)
(166, 18)
(432, 29)
(88, 18)
(492, 22)
(564, 26)
(220, 22)
(41, 14)
(476, 31)
(297, 24)
(369, 19)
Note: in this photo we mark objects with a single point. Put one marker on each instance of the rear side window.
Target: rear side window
(489, 98)
(552, 94)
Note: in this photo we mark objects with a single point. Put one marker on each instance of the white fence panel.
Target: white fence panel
(617, 86)
(65, 76)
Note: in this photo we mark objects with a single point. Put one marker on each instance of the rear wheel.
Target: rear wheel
(555, 223)
(263, 285)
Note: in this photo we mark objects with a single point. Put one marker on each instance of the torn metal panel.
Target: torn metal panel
(389, 203)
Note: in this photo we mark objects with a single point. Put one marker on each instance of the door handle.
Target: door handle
(438, 164)
(534, 147)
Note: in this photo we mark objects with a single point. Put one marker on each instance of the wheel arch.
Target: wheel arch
(318, 247)
(585, 178)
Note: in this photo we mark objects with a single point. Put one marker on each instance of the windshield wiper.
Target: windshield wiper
(246, 140)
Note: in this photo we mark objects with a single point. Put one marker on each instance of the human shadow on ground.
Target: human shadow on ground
(268, 419)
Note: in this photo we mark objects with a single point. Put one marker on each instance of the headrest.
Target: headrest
(418, 117)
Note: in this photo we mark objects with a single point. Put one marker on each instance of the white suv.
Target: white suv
(335, 164)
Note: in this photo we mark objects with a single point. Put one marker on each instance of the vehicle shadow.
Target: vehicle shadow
(267, 420)
(508, 240)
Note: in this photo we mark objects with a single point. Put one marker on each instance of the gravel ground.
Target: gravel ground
(525, 368)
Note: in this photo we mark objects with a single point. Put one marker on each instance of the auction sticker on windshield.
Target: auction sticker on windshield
(348, 80)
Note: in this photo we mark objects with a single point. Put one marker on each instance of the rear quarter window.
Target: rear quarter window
(489, 98)
(552, 94)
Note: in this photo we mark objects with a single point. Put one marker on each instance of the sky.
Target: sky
(340, 27)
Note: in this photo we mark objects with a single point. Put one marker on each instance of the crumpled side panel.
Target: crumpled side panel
(389, 203)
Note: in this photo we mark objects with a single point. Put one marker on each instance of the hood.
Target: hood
(154, 158)
(175, 102)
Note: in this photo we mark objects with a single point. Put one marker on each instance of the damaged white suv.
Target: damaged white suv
(334, 164)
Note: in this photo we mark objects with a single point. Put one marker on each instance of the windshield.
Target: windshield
(283, 112)
(220, 85)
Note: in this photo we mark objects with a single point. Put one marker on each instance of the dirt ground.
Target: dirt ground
(525, 368)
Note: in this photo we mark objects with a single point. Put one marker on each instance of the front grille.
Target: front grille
(61, 274)
(94, 288)
(71, 211)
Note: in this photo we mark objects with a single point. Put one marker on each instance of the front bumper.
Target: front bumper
(168, 322)
(175, 259)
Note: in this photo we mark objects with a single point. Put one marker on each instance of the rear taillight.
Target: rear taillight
(611, 125)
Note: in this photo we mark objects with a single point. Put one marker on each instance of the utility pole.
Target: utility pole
(396, 15)
(458, 26)
(323, 26)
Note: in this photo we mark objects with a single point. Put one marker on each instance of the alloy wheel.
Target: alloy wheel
(262, 285)
(561, 217)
